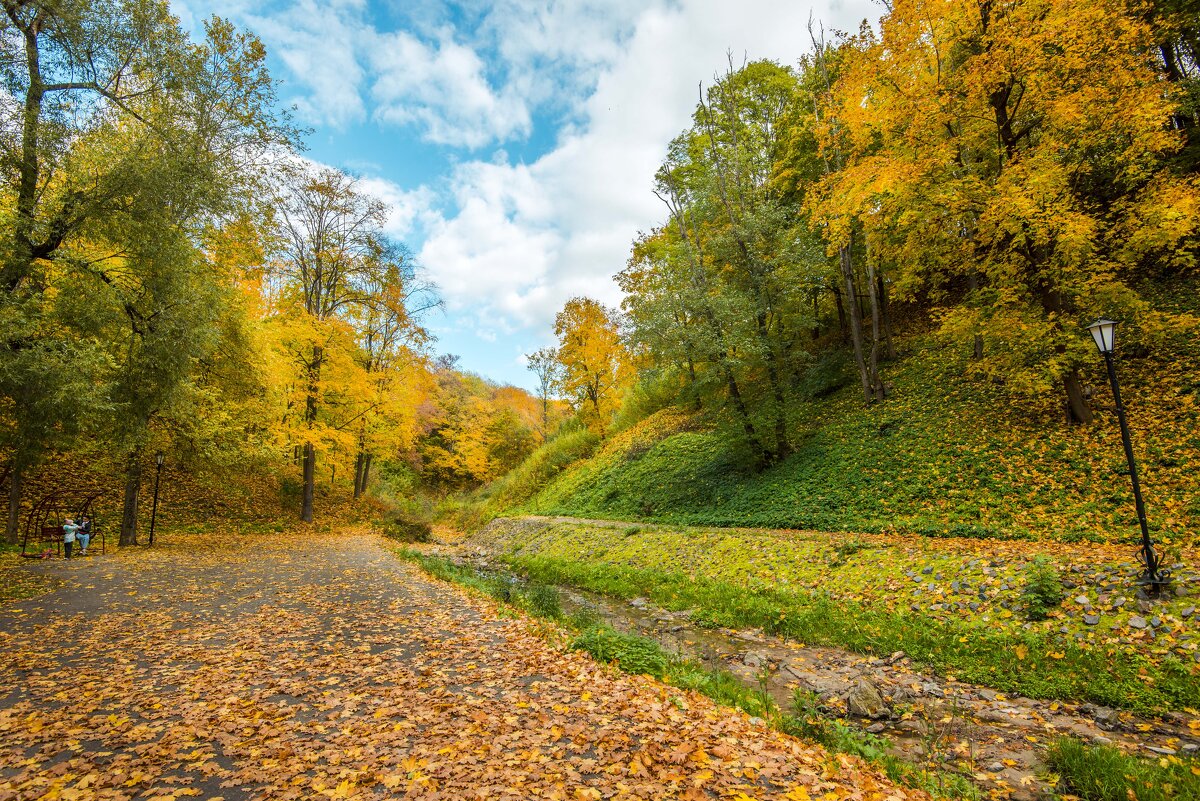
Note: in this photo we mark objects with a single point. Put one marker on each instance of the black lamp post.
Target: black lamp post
(1104, 333)
(158, 460)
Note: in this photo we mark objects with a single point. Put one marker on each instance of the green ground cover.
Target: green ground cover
(959, 606)
(946, 455)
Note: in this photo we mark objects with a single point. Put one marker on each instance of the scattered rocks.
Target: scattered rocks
(639, 603)
(1137, 622)
(1083, 600)
(1091, 620)
(1100, 739)
(876, 728)
(1143, 605)
(1158, 749)
(995, 767)
(913, 725)
(1188, 612)
(1189, 748)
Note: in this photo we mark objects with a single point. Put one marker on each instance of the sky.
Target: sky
(514, 141)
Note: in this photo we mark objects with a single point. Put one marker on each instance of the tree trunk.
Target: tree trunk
(133, 488)
(14, 503)
(366, 479)
(310, 470)
(885, 307)
(856, 336)
(843, 328)
(977, 344)
(358, 475)
(1078, 411)
(873, 360)
(816, 328)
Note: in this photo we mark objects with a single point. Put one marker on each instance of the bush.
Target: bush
(632, 653)
(406, 529)
(1043, 588)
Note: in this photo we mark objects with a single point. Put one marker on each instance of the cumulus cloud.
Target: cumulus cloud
(527, 237)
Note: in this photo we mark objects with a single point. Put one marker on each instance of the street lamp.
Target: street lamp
(158, 460)
(1104, 333)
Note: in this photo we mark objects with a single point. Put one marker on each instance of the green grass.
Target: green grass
(17, 584)
(1103, 773)
(1019, 662)
(946, 455)
(643, 656)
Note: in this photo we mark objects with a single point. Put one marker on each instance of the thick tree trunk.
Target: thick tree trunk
(11, 532)
(366, 479)
(133, 488)
(310, 471)
(1078, 411)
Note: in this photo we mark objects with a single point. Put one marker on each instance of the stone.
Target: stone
(876, 728)
(1188, 612)
(974, 606)
(753, 660)
(995, 767)
(896, 657)
(639, 603)
(987, 695)
(917, 579)
(757, 721)
(1158, 749)
(1143, 605)
(1189, 748)
(913, 725)
(1100, 739)
(1091, 620)
(1083, 600)
(929, 688)
(1137, 622)
(1118, 603)
(927, 570)
(1156, 621)
(865, 701)
(1106, 718)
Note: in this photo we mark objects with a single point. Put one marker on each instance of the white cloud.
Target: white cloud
(526, 238)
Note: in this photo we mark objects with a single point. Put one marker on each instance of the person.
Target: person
(69, 531)
(84, 534)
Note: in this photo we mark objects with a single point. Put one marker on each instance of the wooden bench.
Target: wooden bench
(48, 536)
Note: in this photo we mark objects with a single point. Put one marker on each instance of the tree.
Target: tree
(544, 364)
(118, 112)
(595, 363)
(1020, 150)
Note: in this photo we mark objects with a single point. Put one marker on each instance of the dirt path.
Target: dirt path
(253, 668)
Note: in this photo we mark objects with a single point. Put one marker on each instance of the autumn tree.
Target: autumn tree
(543, 363)
(1018, 150)
(595, 364)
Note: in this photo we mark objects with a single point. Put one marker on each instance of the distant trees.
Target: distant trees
(596, 367)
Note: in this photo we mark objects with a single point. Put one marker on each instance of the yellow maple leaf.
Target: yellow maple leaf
(1021, 651)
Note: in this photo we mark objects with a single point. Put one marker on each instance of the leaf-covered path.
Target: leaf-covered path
(282, 668)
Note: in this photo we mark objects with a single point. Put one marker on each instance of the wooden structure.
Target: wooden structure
(44, 526)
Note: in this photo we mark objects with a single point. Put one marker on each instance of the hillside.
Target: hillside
(945, 455)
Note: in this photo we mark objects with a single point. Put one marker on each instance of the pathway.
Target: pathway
(255, 668)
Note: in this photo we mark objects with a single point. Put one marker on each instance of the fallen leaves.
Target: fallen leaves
(293, 669)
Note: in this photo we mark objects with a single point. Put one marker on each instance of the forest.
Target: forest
(832, 504)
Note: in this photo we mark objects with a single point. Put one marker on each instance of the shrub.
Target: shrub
(402, 528)
(631, 653)
(1043, 588)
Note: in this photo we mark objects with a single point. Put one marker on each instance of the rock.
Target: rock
(995, 767)
(917, 579)
(929, 688)
(1083, 600)
(987, 695)
(1100, 739)
(1189, 748)
(639, 603)
(1106, 718)
(1161, 750)
(757, 721)
(974, 606)
(876, 728)
(753, 660)
(915, 726)
(1186, 613)
(1137, 622)
(865, 701)
(1091, 620)
(1118, 603)
(1143, 605)
(896, 657)
(1156, 621)
(926, 571)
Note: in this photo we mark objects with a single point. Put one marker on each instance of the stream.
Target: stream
(992, 739)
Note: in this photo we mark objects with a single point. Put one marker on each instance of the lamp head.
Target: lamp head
(159, 457)
(1104, 332)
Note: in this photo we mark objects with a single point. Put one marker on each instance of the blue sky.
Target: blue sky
(516, 140)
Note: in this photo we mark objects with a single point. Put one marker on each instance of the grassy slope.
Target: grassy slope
(946, 455)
